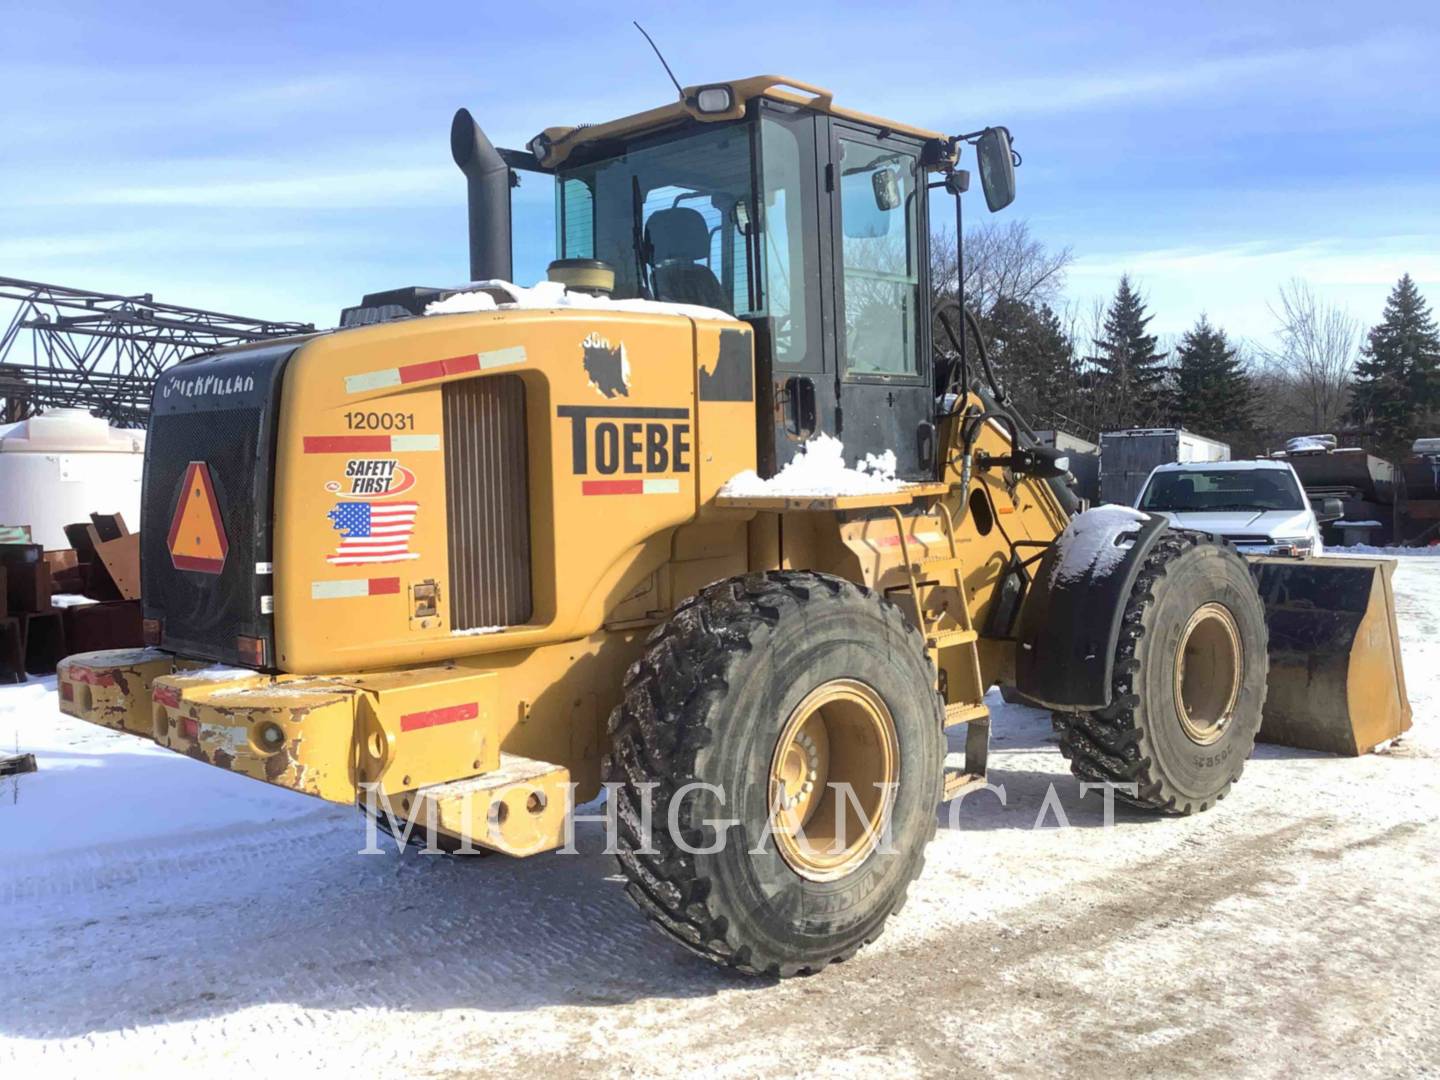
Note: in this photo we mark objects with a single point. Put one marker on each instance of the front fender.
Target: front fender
(1070, 618)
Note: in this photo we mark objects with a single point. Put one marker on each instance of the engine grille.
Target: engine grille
(487, 487)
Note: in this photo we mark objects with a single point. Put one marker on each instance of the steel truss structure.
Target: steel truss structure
(75, 348)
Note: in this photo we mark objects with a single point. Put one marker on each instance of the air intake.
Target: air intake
(487, 179)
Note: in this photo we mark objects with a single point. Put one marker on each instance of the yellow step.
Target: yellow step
(958, 782)
(962, 712)
(943, 639)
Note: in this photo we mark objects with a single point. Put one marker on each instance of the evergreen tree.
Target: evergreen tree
(1213, 395)
(1396, 384)
(1130, 373)
(1034, 356)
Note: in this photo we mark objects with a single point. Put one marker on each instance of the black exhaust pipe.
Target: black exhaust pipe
(488, 180)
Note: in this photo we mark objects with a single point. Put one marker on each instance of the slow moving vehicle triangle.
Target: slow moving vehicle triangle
(197, 538)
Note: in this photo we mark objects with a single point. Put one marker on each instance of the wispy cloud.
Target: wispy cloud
(1189, 77)
(54, 247)
(344, 190)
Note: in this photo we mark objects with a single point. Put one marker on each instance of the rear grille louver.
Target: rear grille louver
(488, 490)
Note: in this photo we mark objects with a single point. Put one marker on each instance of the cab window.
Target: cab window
(881, 278)
(672, 218)
(788, 184)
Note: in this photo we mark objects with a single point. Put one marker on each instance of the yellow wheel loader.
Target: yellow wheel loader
(482, 549)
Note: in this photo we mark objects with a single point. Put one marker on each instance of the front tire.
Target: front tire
(771, 688)
(1189, 683)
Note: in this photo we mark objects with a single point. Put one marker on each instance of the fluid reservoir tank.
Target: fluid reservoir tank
(59, 467)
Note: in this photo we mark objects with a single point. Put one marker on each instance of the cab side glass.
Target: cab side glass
(880, 275)
(533, 212)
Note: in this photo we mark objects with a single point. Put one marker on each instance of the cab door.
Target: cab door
(876, 196)
(795, 350)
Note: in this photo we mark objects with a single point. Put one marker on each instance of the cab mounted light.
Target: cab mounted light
(710, 100)
(541, 147)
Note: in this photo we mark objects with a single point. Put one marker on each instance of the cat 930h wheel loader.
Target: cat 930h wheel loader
(462, 566)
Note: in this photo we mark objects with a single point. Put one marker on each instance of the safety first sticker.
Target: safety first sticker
(372, 478)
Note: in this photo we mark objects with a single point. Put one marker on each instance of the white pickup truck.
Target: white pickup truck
(1257, 505)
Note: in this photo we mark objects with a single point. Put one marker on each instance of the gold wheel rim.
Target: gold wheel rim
(1208, 667)
(832, 779)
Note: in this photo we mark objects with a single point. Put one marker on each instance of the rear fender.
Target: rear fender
(1070, 618)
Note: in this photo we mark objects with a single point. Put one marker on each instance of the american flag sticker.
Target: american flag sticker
(373, 532)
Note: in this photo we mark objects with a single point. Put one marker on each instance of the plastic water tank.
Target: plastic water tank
(58, 468)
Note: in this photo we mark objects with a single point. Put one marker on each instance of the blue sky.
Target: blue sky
(282, 159)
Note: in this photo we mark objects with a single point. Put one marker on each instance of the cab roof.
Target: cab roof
(553, 145)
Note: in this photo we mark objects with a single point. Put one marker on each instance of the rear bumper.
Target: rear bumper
(326, 736)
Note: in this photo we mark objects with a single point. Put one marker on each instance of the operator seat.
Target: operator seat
(677, 240)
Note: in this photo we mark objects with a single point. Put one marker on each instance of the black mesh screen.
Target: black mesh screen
(220, 411)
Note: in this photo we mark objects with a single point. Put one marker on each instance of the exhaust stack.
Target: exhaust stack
(488, 181)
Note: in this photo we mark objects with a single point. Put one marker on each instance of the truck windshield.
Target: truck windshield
(1207, 490)
(673, 218)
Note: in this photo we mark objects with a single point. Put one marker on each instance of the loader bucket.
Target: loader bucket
(1336, 680)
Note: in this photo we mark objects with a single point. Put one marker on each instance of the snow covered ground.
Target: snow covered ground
(161, 915)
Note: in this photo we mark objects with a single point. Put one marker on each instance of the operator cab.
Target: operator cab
(763, 200)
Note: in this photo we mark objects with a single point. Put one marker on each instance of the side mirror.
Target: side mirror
(997, 167)
(886, 183)
(1332, 509)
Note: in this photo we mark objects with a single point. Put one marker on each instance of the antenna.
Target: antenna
(661, 58)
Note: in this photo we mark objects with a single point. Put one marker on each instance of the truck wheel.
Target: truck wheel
(808, 706)
(1189, 683)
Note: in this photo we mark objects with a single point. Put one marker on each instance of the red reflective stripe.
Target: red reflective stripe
(458, 365)
(431, 369)
(91, 676)
(344, 444)
(449, 715)
(612, 487)
(168, 695)
(384, 586)
(438, 369)
(67, 691)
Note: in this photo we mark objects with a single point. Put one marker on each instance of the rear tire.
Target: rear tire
(721, 697)
(1189, 682)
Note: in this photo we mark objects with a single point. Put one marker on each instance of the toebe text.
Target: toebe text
(627, 440)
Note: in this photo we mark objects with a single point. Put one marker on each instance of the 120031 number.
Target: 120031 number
(380, 421)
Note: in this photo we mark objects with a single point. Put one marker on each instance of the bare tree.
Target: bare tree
(1002, 262)
(1002, 259)
(1309, 371)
